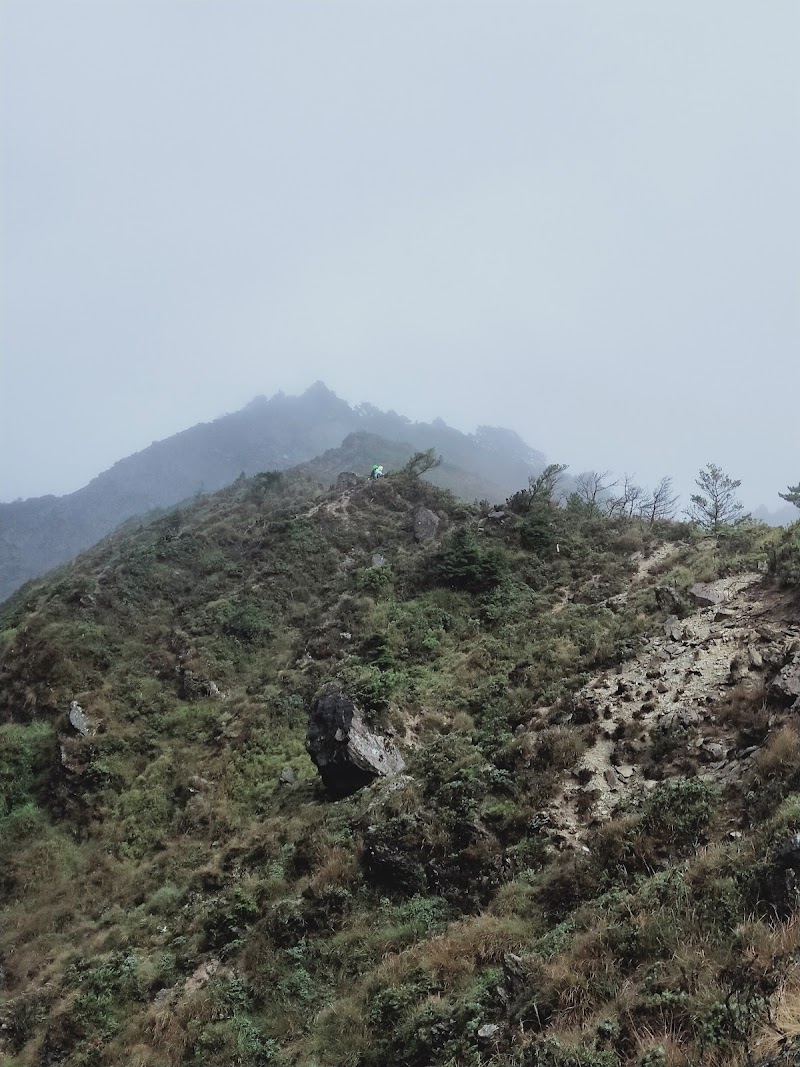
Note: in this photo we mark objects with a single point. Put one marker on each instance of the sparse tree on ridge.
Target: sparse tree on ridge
(716, 504)
(792, 494)
(629, 502)
(541, 488)
(421, 462)
(661, 503)
(592, 486)
(545, 484)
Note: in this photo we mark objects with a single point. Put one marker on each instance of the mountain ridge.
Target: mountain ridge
(267, 434)
(587, 859)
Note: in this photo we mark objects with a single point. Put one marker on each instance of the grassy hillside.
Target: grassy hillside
(177, 887)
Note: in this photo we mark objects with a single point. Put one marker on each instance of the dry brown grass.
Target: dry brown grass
(342, 1032)
(577, 975)
(337, 867)
(433, 722)
(454, 954)
(463, 721)
(169, 1025)
(719, 859)
(141, 1056)
(747, 695)
(514, 898)
(781, 754)
(785, 1020)
(671, 1041)
(559, 748)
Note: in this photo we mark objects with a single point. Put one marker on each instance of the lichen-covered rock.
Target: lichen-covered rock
(347, 754)
(426, 524)
(83, 723)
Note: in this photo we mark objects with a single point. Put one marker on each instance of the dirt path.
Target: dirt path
(672, 682)
(336, 507)
(645, 565)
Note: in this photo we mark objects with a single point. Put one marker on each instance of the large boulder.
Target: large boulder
(785, 686)
(668, 600)
(426, 523)
(83, 723)
(347, 480)
(707, 595)
(347, 754)
(781, 886)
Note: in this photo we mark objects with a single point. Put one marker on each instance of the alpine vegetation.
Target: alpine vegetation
(354, 772)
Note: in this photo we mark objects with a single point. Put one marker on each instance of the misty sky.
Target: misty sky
(577, 219)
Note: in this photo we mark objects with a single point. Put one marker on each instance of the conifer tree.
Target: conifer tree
(716, 504)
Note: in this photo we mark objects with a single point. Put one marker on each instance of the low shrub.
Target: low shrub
(676, 813)
(463, 563)
(784, 559)
(26, 757)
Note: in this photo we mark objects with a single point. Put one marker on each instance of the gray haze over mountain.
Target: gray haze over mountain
(578, 220)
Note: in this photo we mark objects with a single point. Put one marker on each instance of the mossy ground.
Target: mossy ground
(168, 900)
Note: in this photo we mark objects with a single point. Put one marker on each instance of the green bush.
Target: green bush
(144, 812)
(26, 756)
(785, 558)
(463, 563)
(371, 687)
(677, 812)
(376, 581)
(537, 533)
(552, 1053)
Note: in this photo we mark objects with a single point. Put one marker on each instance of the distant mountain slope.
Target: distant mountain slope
(267, 434)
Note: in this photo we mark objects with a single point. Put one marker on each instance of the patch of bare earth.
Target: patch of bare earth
(337, 508)
(675, 683)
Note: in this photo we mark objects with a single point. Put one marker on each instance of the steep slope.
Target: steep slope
(177, 887)
(274, 434)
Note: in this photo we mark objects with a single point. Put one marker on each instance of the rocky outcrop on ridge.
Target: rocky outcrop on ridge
(347, 754)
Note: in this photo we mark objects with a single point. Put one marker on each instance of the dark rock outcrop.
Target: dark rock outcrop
(782, 886)
(347, 754)
(785, 687)
(668, 600)
(347, 480)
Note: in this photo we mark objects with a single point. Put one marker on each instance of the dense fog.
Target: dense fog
(577, 221)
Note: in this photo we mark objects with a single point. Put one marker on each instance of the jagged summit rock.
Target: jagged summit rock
(347, 754)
